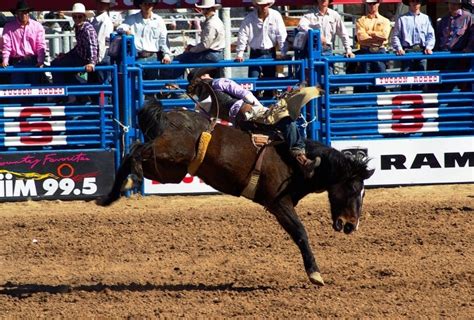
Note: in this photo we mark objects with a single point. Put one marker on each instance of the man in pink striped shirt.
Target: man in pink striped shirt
(23, 45)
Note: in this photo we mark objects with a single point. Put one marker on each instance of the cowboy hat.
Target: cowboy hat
(206, 4)
(21, 6)
(137, 3)
(79, 8)
(372, 1)
(112, 3)
(263, 2)
(198, 72)
(407, 2)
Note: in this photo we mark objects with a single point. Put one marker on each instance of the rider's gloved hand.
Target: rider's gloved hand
(255, 112)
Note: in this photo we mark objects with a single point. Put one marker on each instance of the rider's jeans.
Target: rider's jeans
(291, 133)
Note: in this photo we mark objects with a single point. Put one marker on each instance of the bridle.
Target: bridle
(212, 93)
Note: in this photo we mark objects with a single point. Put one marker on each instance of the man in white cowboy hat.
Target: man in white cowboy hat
(373, 31)
(150, 35)
(455, 33)
(211, 47)
(85, 53)
(413, 32)
(330, 24)
(104, 26)
(23, 44)
(262, 30)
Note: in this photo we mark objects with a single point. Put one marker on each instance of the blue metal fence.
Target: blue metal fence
(434, 109)
(343, 113)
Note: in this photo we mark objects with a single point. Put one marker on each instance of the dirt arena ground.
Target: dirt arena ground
(223, 257)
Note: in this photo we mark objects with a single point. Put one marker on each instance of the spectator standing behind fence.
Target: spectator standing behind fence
(24, 45)
(211, 47)
(104, 26)
(373, 31)
(413, 32)
(150, 35)
(85, 53)
(330, 24)
(262, 30)
(455, 33)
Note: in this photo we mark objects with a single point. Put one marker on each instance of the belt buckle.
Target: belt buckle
(416, 47)
(374, 49)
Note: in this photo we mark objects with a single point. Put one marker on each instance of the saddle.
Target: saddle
(289, 105)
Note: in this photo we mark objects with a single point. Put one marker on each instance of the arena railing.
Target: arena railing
(416, 126)
(413, 103)
(171, 97)
(52, 148)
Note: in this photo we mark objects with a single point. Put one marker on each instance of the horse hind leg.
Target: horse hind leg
(128, 175)
(286, 216)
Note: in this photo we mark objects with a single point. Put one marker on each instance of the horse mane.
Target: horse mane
(150, 120)
(336, 165)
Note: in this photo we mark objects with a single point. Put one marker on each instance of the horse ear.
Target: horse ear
(369, 174)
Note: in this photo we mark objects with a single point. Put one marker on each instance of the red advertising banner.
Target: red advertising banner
(41, 5)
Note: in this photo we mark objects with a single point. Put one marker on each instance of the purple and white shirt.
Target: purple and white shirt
(234, 89)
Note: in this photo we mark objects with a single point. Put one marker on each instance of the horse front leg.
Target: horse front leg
(286, 215)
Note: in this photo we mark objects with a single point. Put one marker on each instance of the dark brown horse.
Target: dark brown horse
(171, 140)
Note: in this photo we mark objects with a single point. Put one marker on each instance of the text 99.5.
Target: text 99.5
(68, 186)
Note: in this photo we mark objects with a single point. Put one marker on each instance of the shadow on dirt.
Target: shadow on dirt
(27, 290)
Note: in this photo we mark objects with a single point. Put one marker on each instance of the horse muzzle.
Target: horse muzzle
(342, 224)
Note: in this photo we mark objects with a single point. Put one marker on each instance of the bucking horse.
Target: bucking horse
(179, 142)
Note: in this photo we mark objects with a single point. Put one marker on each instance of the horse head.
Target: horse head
(347, 194)
(342, 176)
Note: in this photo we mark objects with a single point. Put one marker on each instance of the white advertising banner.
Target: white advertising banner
(396, 162)
(416, 161)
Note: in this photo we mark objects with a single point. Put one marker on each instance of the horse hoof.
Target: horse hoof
(102, 201)
(316, 278)
(128, 184)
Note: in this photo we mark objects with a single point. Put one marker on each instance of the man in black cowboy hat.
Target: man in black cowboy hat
(23, 44)
(413, 35)
(373, 31)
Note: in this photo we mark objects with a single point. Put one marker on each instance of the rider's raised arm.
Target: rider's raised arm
(236, 90)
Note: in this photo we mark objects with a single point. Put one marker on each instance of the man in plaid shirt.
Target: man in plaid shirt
(85, 53)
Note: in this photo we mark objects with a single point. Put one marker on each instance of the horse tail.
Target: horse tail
(128, 176)
(151, 120)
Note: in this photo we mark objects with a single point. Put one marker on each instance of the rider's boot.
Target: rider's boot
(307, 165)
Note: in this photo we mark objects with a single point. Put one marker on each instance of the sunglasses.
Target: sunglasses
(77, 16)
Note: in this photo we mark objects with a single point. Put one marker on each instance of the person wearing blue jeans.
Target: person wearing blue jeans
(85, 53)
(211, 47)
(244, 107)
(413, 32)
(262, 30)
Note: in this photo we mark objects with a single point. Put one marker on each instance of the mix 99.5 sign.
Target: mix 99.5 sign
(55, 175)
